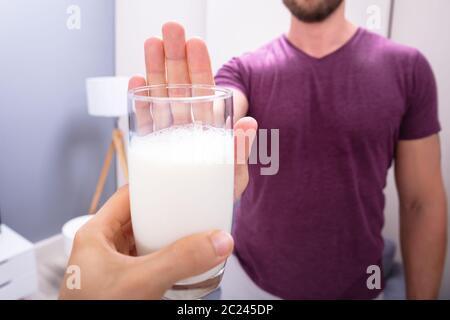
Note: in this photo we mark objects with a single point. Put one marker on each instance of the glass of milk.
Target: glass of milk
(181, 170)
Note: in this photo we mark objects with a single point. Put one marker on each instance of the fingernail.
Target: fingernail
(222, 242)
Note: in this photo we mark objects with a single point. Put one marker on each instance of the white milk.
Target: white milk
(181, 182)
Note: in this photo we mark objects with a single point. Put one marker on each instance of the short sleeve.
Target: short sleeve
(233, 74)
(421, 117)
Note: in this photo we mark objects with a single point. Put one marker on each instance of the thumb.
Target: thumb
(190, 256)
(244, 136)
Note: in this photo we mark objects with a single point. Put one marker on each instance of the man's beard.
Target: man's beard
(312, 10)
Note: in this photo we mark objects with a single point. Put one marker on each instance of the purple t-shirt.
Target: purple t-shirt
(312, 230)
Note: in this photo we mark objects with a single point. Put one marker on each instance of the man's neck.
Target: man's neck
(321, 38)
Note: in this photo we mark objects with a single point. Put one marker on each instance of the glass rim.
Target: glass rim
(219, 93)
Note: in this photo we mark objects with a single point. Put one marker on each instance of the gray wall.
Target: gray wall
(51, 150)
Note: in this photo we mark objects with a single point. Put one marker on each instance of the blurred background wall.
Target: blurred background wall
(51, 150)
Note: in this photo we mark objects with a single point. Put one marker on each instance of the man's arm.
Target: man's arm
(423, 215)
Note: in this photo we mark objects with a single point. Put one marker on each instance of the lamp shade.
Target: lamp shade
(107, 96)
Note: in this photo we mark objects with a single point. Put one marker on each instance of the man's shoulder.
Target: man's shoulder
(378, 46)
(264, 55)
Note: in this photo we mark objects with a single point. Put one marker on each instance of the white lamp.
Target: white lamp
(106, 97)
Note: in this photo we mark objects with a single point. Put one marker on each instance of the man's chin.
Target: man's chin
(312, 13)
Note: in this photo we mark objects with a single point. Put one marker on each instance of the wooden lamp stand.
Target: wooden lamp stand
(116, 146)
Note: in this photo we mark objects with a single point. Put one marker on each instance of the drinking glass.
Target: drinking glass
(181, 170)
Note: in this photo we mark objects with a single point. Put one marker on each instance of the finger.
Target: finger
(177, 68)
(116, 211)
(199, 62)
(143, 120)
(200, 72)
(175, 53)
(189, 256)
(244, 135)
(156, 75)
(155, 64)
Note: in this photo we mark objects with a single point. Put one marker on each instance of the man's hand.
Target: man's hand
(173, 60)
(423, 215)
(104, 253)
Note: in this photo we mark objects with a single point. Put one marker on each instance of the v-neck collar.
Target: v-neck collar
(336, 52)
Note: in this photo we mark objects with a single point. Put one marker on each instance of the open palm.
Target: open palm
(173, 60)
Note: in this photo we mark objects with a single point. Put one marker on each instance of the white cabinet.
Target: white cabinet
(18, 274)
